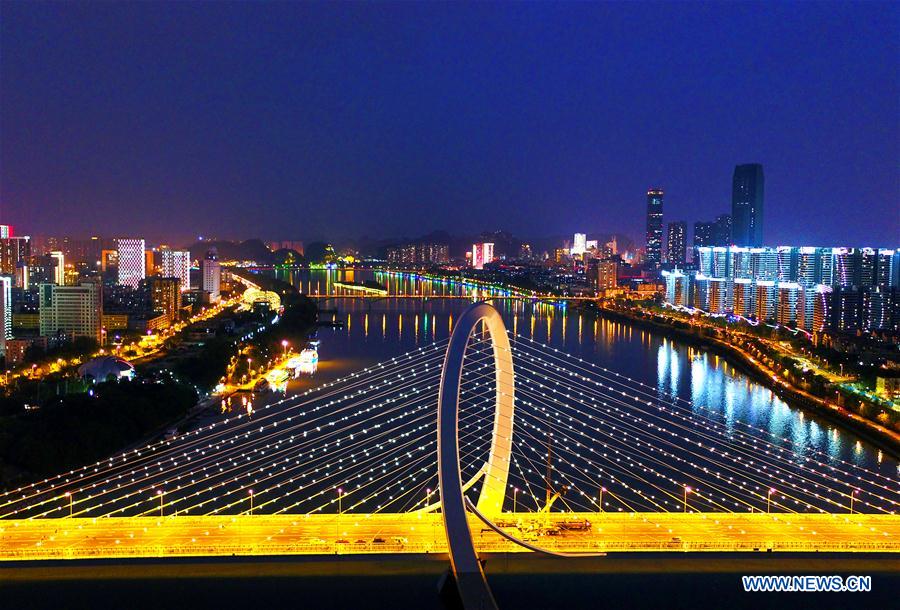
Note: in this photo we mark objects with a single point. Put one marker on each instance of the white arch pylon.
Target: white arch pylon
(467, 569)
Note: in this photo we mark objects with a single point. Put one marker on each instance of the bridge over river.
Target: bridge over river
(485, 442)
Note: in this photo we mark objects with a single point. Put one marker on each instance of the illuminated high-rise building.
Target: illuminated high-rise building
(132, 262)
(13, 250)
(165, 296)
(607, 274)
(579, 244)
(482, 254)
(747, 205)
(6, 231)
(676, 243)
(59, 267)
(211, 275)
(76, 310)
(5, 311)
(653, 255)
(176, 263)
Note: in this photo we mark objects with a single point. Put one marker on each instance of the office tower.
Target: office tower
(703, 237)
(59, 267)
(13, 250)
(211, 275)
(579, 244)
(6, 231)
(676, 243)
(747, 205)
(176, 263)
(76, 310)
(165, 296)
(132, 262)
(5, 311)
(722, 230)
(482, 254)
(607, 274)
(654, 227)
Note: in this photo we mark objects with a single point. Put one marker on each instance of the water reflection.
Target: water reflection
(715, 389)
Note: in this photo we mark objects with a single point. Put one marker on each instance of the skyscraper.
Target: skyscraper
(654, 227)
(747, 205)
(722, 230)
(176, 263)
(131, 262)
(676, 244)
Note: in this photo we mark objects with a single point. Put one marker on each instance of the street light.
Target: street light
(769, 499)
(602, 489)
(687, 490)
(515, 493)
(284, 345)
(852, 497)
(251, 501)
(69, 496)
(159, 493)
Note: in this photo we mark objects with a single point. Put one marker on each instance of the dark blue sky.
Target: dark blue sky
(313, 120)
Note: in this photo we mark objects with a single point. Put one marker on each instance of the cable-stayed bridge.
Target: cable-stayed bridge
(551, 453)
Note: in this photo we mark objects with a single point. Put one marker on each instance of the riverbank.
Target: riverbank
(884, 438)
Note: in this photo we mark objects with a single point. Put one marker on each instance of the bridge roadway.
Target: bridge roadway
(328, 534)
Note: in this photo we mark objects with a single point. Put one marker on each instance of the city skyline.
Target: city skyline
(550, 137)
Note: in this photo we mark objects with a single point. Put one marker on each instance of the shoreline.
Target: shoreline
(881, 437)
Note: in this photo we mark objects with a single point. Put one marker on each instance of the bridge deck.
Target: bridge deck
(326, 534)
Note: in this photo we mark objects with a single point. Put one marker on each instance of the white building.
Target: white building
(131, 262)
(579, 244)
(211, 276)
(177, 263)
(5, 311)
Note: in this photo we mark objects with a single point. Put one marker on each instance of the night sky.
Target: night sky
(304, 121)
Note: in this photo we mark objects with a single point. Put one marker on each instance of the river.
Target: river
(374, 330)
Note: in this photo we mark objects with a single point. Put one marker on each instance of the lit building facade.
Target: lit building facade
(653, 255)
(75, 310)
(211, 276)
(608, 274)
(132, 262)
(5, 311)
(165, 297)
(482, 254)
(845, 289)
(676, 243)
(13, 251)
(59, 267)
(177, 264)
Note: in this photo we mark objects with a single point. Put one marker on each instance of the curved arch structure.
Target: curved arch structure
(470, 578)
